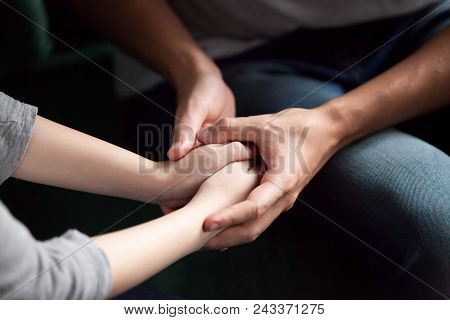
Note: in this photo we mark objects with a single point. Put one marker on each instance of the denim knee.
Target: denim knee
(393, 191)
(269, 86)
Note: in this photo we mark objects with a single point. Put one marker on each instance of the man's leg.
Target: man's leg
(271, 86)
(390, 190)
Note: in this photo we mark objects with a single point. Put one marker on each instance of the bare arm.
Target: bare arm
(151, 31)
(138, 253)
(417, 85)
(73, 266)
(60, 156)
(63, 157)
(66, 158)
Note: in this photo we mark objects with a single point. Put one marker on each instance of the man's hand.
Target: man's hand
(294, 144)
(417, 85)
(203, 99)
(152, 32)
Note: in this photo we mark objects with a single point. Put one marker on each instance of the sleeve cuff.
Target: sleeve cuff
(16, 126)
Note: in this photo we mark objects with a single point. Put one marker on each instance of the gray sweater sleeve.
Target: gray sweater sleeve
(16, 125)
(66, 267)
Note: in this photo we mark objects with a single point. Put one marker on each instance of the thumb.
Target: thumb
(230, 129)
(184, 136)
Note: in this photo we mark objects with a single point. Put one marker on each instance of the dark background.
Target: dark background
(292, 260)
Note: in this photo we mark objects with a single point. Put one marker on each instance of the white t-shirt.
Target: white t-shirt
(226, 27)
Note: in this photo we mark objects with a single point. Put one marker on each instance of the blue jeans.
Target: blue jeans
(390, 190)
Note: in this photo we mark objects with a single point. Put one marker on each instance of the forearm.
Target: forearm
(62, 157)
(138, 253)
(417, 85)
(151, 31)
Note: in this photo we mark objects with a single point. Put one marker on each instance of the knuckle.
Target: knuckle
(252, 236)
(290, 200)
(272, 132)
(248, 238)
(253, 212)
(289, 205)
(228, 221)
(228, 218)
(225, 122)
(291, 183)
(236, 148)
(256, 234)
(259, 209)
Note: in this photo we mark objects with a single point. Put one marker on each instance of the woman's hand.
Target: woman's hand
(70, 159)
(294, 144)
(203, 98)
(137, 253)
(227, 186)
(183, 177)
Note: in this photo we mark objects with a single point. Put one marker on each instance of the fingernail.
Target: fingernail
(223, 249)
(215, 226)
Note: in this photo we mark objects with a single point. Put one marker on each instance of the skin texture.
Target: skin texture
(63, 157)
(66, 158)
(137, 253)
(415, 86)
(203, 97)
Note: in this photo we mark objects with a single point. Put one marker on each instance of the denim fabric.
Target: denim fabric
(352, 54)
(390, 189)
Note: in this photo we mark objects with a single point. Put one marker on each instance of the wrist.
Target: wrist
(191, 218)
(339, 122)
(189, 64)
(151, 182)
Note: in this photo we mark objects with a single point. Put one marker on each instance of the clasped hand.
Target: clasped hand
(294, 144)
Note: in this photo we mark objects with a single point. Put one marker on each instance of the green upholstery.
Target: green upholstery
(27, 45)
(23, 43)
